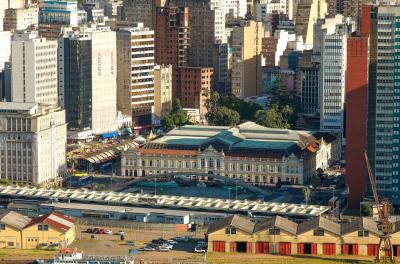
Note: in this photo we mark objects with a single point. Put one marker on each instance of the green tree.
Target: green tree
(99, 187)
(212, 102)
(271, 118)
(315, 180)
(366, 210)
(5, 182)
(176, 107)
(223, 116)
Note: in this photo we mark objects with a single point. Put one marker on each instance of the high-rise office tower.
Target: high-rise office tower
(135, 91)
(5, 48)
(6, 4)
(162, 91)
(333, 79)
(88, 79)
(246, 58)
(34, 69)
(384, 100)
(32, 143)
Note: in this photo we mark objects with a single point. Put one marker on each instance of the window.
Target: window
(43, 227)
(2, 226)
(319, 232)
(363, 233)
(275, 231)
(230, 230)
(10, 244)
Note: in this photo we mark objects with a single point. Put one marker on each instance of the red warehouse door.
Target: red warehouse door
(300, 248)
(355, 249)
(314, 249)
(285, 248)
(329, 249)
(233, 247)
(262, 247)
(372, 249)
(249, 247)
(219, 246)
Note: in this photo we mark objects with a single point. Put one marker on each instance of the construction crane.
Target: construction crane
(384, 225)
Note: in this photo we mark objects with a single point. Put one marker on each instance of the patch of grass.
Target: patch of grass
(24, 254)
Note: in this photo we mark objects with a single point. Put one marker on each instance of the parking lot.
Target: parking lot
(136, 240)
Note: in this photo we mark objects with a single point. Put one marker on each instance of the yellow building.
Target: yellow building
(316, 236)
(52, 228)
(18, 231)
(11, 225)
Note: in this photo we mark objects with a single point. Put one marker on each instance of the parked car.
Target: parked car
(108, 232)
(120, 232)
(167, 245)
(178, 239)
(163, 249)
(172, 242)
(148, 248)
(89, 230)
(95, 231)
(101, 231)
(200, 249)
(202, 243)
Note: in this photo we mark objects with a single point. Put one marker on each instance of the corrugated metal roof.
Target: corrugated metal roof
(14, 219)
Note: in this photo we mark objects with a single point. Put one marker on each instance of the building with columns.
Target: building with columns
(249, 152)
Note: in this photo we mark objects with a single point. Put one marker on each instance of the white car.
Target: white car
(200, 249)
(120, 232)
(167, 245)
(172, 242)
(148, 248)
(163, 248)
(108, 232)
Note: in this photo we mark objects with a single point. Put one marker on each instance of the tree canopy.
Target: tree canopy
(223, 116)
(176, 118)
(271, 118)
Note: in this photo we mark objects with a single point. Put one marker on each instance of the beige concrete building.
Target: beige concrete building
(308, 12)
(135, 73)
(162, 90)
(34, 69)
(32, 143)
(248, 152)
(316, 236)
(20, 18)
(139, 10)
(246, 58)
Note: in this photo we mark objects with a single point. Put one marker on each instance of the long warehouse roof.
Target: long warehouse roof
(167, 201)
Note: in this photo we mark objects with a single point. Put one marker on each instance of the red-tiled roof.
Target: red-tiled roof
(55, 220)
(179, 152)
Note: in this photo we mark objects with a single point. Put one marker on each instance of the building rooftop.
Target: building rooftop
(244, 138)
(15, 220)
(165, 201)
(55, 220)
(318, 222)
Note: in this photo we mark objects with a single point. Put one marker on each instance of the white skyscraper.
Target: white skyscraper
(333, 80)
(34, 69)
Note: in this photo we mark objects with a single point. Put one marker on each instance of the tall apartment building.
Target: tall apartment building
(333, 81)
(162, 91)
(88, 80)
(246, 58)
(384, 100)
(207, 27)
(20, 18)
(195, 85)
(135, 91)
(34, 69)
(172, 35)
(32, 143)
(308, 12)
(140, 11)
(54, 15)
